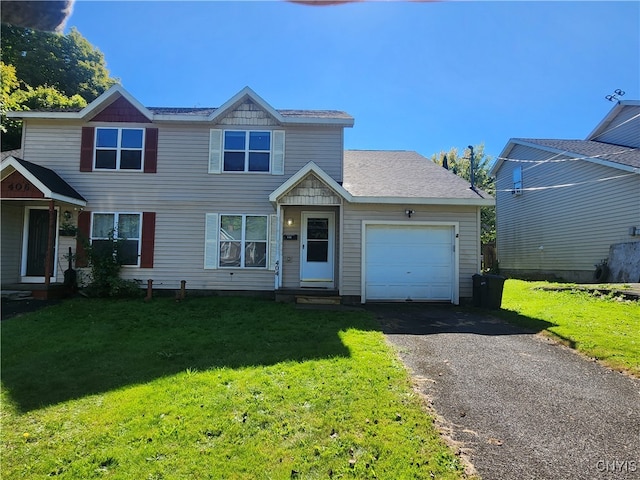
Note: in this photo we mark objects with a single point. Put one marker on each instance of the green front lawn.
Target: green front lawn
(220, 388)
(601, 327)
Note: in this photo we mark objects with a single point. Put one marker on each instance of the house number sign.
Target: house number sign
(19, 187)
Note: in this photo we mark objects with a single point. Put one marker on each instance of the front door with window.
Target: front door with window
(317, 249)
(37, 237)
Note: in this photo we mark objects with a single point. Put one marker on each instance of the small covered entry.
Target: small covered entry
(309, 208)
(37, 206)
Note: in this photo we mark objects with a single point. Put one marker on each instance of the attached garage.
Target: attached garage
(410, 262)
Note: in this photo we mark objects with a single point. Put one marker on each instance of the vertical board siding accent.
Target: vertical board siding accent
(17, 186)
(211, 241)
(84, 233)
(215, 151)
(120, 110)
(151, 150)
(148, 239)
(277, 153)
(86, 149)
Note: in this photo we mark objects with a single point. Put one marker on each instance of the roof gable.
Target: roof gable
(614, 156)
(115, 101)
(249, 98)
(121, 110)
(48, 182)
(246, 100)
(248, 112)
(620, 126)
(301, 175)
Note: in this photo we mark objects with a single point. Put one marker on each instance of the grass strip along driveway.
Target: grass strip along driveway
(224, 388)
(599, 326)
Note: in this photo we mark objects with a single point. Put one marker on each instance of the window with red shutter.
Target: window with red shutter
(148, 239)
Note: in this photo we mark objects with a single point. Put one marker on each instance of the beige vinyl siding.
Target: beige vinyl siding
(181, 193)
(573, 224)
(291, 248)
(62, 262)
(469, 240)
(290, 267)
(12, 231)
(622, 131)
(321, 145)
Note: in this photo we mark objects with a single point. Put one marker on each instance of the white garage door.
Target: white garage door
(407, 262)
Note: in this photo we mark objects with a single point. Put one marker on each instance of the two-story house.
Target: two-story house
(243, 197)
(565, 207)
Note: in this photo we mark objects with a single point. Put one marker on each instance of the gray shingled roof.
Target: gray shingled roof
(402, 174)
(588, 148)
(206, 111)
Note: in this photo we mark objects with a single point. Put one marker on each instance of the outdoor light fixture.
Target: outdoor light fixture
(408, 212)
(289, 222)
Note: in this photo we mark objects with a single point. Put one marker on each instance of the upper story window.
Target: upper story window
(246, 151)
(119, 148)
(517, 180)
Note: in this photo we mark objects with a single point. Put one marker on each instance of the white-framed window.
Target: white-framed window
(242, 241)
(119, 148)
(517, 180)
(246, 151)
(118, 234)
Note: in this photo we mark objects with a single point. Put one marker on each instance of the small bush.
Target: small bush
(106, 264)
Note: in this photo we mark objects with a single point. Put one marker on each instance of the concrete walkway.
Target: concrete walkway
(521, 406)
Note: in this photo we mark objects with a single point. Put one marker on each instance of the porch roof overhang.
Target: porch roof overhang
(48, 182)
(309, 168)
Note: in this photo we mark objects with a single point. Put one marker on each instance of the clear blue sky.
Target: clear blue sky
(415, 76)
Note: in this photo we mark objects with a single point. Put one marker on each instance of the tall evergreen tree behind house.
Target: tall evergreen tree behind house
(47, 70)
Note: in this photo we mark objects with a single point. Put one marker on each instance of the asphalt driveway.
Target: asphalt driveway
(520, 405)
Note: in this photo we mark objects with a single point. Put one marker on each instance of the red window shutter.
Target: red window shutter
(82, 239)
(86, 149)
(151, 150)
(148, 239)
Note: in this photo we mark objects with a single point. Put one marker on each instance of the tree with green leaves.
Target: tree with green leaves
(461, 166)
(44, 70)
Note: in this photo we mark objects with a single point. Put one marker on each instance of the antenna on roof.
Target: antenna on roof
(614, 96)
(473, 172)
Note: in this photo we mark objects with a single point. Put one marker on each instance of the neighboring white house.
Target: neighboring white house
(240, 197)
(563, 207)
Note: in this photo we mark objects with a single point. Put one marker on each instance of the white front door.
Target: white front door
(317, 249)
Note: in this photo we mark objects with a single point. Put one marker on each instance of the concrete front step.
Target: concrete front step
(318, 300)
(16, 294)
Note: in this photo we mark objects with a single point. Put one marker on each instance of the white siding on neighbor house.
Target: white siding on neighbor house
(181, 193)
(12, 229)
(469, 240)
(574, 224)
(622, 131)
